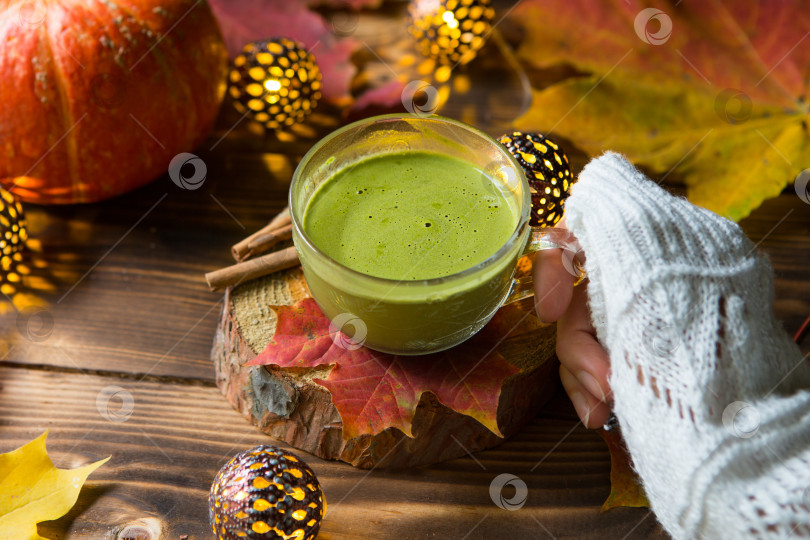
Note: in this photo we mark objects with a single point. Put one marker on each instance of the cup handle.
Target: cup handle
(548, 238)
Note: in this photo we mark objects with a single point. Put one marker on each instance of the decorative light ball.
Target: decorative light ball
(276, 81)
(450, 31)
(548, 173)
(13, 232)
(266, 493)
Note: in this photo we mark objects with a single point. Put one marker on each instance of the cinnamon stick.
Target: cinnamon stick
(261, 242)
(242, 249)
(247, 270)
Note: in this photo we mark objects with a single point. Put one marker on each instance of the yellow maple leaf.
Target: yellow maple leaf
(625, 485)
(715, 93)
(33, 490)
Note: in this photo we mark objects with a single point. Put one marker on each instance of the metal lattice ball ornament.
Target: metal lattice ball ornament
(13, 232)
(548, 173)
(450, 31)
(276, 81)
(266, 493)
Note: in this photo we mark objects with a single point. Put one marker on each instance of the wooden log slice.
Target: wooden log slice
(289, 406)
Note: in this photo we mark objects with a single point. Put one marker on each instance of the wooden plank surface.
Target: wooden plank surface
(143, 307)
(128, 293)
(121, 282)
(167, 441)
(139, 316)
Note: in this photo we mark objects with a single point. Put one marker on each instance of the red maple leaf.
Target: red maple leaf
(243, 21)
(373, 391)
(713, 91)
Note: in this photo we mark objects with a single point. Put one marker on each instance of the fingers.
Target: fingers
(552, 284)
(552, 281)
(585, 364)
(593, 412)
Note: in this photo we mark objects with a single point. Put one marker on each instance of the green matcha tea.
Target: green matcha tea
(413, 216)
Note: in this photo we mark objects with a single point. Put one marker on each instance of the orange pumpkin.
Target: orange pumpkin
(97, 96)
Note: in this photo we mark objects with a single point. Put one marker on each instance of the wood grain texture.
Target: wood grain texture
(166, 452)
(781, 228)
(144, 310)
(122, 284)
(123, 280)
(144, 307)
(290, 406)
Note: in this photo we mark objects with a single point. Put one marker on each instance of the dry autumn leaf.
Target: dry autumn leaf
(715, 91)
(466, 378)
(33, 490)
(625, 487)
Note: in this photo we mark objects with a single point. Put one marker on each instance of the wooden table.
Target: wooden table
(133, 319)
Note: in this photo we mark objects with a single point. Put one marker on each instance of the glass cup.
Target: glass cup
(411, 317)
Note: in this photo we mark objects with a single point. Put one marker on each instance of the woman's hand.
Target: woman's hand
(584, 363)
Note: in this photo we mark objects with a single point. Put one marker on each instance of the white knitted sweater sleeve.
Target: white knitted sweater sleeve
(711, 394)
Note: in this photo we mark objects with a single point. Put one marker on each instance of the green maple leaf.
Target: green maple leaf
(715, 92)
